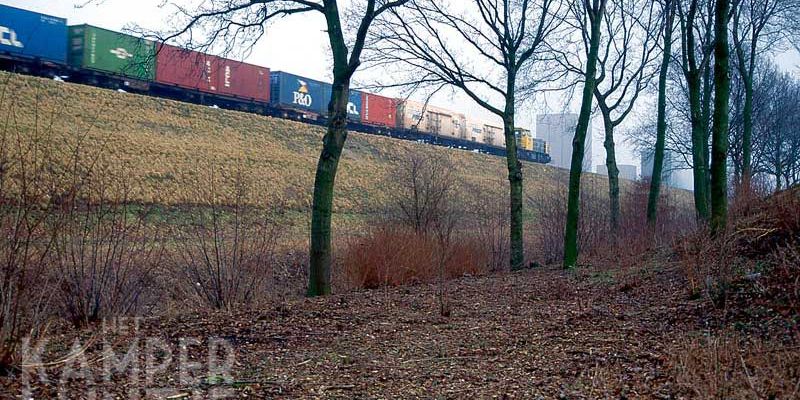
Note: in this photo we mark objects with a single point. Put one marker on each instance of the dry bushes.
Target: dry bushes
(756, 256)
(25, 240)
(225, 250)
(392, 255)
(598, 245)
(546, 233)
(76, 246)
(732, 367)
(105, 259)
(488, 222)
(426, 231)
(68, 250)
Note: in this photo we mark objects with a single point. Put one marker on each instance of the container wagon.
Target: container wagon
(211, 74)
(379, 110)
(32, 43)
(414, 115)
(494, 135)
(354, 105)
(187, 69)
(32, 35)
(244, 80)
(299, 93)
(115, 53)
(482, 132)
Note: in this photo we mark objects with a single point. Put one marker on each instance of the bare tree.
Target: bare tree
(625, 69)
(776, 117)
(668, 18)
(756, 28)
(420, 189)
(719, 130)
(587, 18)
(232, 22)
(483, 56)
(696, 27)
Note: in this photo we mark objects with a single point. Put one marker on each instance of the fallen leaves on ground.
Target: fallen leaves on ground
(535, 334)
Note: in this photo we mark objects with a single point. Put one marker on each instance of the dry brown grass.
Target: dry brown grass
(162, 142)
(733, 367)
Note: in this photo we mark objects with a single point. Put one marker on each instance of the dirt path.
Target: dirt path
(535, 334)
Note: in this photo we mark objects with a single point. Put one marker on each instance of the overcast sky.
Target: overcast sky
(297, 44)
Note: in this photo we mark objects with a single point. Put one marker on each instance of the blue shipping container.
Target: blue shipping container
(354, 106)
(353, 103)
(293, 91)
(29, 34)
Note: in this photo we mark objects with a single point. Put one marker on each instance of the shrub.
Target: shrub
(105, 258)
(549, 209)
(757, 254)
(488, 221)
(598, 245)
(25, 235)
(392, 255)
(225, 249)
(424, 234)
(732, 367)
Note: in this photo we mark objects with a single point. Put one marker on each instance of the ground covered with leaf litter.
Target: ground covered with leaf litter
(540, 333)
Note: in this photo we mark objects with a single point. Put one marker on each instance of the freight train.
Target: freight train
(45, 45)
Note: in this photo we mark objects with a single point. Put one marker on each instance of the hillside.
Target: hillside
(170, 148)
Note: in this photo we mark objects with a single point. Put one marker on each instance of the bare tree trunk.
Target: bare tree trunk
(514, 179)
(613, 173)
(319, 281)
(698, 85)
(708, 90)
(579, 141)
(699, 152)
(661, 124)
(747, 133)
(719, 146)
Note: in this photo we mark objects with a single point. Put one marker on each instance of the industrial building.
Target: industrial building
(626, 171)
(676, 174)
(558, 130)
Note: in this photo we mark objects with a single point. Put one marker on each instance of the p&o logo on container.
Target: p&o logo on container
(9, 38)
(301, 96)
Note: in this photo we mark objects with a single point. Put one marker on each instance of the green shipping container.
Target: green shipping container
(108, 51)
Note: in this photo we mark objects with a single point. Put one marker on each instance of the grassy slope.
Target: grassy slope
(170, 146)
(172, 153)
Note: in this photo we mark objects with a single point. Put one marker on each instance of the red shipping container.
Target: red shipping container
(186, 68)
(379, 110)
(244, 80)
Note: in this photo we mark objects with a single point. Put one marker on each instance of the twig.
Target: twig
(440, 359)
(67, 358)
(339, 387)
(749, 378)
